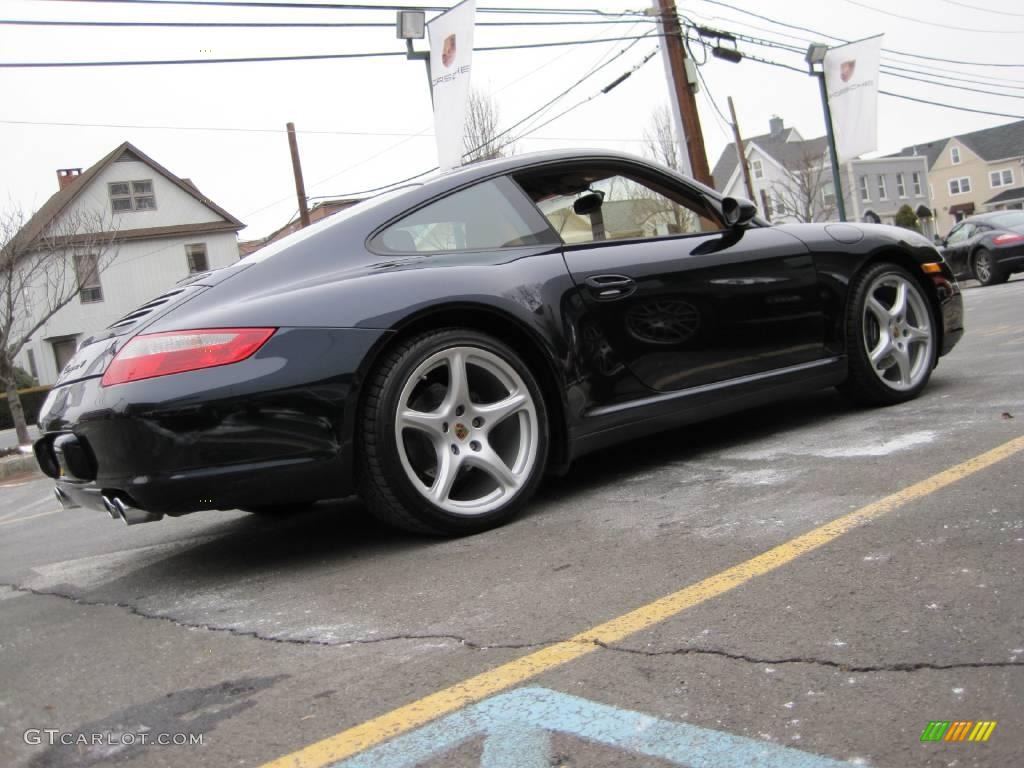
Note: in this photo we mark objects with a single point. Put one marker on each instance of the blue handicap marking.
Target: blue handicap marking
(517, 729)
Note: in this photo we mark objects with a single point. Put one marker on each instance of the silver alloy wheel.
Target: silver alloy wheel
(983, 267)
(466, 430)
(897, 329)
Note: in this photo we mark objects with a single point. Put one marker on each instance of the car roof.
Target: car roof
(503, 165)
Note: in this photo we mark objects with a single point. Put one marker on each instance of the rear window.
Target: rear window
(1008, 219)
(492, 214)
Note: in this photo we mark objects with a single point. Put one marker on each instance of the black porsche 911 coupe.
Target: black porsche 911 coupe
(438, 348)
(988, 247)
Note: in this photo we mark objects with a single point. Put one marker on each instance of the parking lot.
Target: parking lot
(809, 584)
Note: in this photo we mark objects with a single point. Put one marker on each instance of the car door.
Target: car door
(956, 248)
(678, 299)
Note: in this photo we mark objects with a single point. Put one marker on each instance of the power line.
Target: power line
(303, 57)
(981, 8)
(292, 24)
(892, 71)
(523, 135)
(362, 7)
(918, 20)
(903, 96)
(821, 34)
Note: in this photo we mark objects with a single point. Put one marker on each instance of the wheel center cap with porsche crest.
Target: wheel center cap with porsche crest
(461, 431)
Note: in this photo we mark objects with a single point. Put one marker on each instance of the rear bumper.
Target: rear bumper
(272, 429)
(1010, 258)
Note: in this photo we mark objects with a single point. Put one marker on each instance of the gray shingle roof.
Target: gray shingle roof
(791, 154)
(1017, 193)
(989, 144)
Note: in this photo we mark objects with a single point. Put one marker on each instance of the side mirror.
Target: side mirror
(588, 203)
(737, 211)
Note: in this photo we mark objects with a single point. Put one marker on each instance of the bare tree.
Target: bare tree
(807, 195)
(660, 138)
(40, 274)
(481, 138)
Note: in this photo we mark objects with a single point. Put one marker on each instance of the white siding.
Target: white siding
(141, 270)
(173, 205)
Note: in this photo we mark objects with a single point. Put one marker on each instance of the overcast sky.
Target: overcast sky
(368, 122)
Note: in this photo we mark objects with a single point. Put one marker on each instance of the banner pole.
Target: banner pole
(833, 155)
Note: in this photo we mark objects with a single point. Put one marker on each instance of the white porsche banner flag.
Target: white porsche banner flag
(851, 79)
(451, 58)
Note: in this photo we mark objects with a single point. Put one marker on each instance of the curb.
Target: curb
(17, 465)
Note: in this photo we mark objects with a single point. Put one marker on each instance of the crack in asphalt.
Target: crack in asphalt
(686, 651)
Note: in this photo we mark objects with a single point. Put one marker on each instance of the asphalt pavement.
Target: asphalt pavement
(809, 584)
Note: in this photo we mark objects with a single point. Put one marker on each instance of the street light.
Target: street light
(411, 25)
(815, 59)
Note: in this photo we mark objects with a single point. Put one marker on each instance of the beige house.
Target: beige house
(974, 172)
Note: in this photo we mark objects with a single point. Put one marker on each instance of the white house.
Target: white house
(792, 180)
(163, 229)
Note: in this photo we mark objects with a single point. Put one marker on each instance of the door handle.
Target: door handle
(608, 287)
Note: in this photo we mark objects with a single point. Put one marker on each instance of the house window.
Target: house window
(87, 271)
(757, 168)
(828, 194)
(780, 206)
(865, 195)
(954, 155)
(882, 194)
(901, 185)
(917, 183)
(960, 186)
(132, 196)
(195, 254)
(32, 364)
(1003, 178)
(63, 350)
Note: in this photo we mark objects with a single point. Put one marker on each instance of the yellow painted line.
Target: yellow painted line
(361, 737)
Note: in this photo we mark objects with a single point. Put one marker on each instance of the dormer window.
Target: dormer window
(132, 196)
(954, 155)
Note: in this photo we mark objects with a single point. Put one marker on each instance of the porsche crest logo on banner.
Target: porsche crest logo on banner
(851, 78)
(451, 60)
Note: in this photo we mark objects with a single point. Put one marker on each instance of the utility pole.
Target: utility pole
(300, 186)
(741, 153)
(673, 42)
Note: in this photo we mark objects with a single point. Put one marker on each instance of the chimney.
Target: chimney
(66, 176)
(775, 125)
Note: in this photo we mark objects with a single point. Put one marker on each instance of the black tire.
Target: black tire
(864, 385)
(985, 269)
(384, 485)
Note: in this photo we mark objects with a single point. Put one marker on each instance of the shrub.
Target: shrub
(31, 401)
(906, 218)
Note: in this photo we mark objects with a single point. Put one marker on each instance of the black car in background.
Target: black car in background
(439, 348)
(988, 247)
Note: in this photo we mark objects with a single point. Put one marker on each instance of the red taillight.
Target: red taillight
(159, 354)
(1007, 239)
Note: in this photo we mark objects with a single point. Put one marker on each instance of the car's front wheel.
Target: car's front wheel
(891, 337)
(453, 434)
(986, 270)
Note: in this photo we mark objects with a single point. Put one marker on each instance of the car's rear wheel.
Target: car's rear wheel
(453, 434)
(986, 270)
(891, 337)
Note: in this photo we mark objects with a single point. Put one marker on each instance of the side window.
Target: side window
(592, 204)
(960, 234)
(492, 214)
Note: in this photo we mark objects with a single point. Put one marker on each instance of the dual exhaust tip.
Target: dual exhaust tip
(117, 508)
